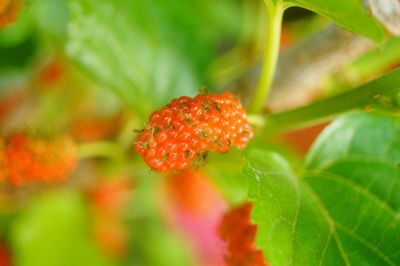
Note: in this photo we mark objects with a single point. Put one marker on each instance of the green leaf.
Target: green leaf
(369, 136)
(350, 14)
(146, 51)
(54, 231)
(345, 207)
(225, 171)
(381, 94)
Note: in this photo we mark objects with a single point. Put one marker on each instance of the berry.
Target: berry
(189, 127)
(239, 234)
(108, 199)
(32, 159)
(51, 73)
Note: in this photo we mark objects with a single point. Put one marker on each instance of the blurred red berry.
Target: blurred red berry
(110, 195)
(189, 127)
(3, 168)
(239, 234)
(52, 72)
(10, 102)
(9, 10)
(108, 198)
(5, 255)
(38, 159)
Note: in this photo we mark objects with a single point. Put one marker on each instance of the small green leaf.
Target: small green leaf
(344, 210)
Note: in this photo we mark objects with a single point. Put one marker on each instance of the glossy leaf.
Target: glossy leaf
(344, 209)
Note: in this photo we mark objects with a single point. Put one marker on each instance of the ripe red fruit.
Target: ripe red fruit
(239, 234)
(33, 159)
(189, 127)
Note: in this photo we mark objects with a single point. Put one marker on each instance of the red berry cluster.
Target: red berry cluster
(189, 127)
(23, 158)
(239, 234)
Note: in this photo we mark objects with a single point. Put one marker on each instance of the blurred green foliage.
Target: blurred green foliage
(54, 231)
(149, 52)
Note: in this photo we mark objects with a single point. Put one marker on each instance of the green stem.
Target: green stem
(101, 149)
(376, 95)
(272, 43)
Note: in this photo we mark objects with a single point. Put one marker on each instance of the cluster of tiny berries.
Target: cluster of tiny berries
(24, 158)
(239, 234)
(189, 127)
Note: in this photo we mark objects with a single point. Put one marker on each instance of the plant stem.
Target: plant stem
(376, 95)
(101, 149)
(272, 43)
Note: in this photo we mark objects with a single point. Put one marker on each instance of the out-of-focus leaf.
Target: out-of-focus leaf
(54, 231)
(18, 44)
(153, 243)
(344, 210)
(377, 60)
(152, 240)
(51, 17)
(367, 136)
(18, 56)
(369, 65)
(350, 14)
(146, 51)
(18, 31)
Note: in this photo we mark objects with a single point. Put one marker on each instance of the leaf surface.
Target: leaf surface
(147, 52)
(343, 209)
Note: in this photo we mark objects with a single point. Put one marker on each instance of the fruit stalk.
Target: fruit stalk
(272, 42)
